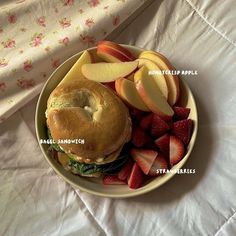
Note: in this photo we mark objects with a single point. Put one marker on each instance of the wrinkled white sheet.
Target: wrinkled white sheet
(196, 35)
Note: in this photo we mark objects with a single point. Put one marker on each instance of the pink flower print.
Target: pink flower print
(68, 2)
(86, 39)
(89, 22)
(55, 63)
(81, 11)
(64, 22)
(93, 3)
(116, 20)
(28, 65)
(36, 40)
(41, 21)
(12, 18)
(64, 41)
(25, 83)
(10, 43)
(2, 86)
(3, 62)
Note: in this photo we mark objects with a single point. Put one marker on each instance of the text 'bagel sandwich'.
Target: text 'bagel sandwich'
(90, 112)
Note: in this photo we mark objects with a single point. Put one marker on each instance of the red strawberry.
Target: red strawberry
(163, 143)
(146, 122)
(126, 170)
(136, 114)
(136, 177)
(158, 166)
(159, 126)
(176, 150)
(144, 158)
(139, 137)
(183, 129)
(181, 113)
(112, 179)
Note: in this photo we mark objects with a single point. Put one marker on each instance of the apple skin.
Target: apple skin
(171, 80)
(117, 48)
(121, 86)
(150, 103)
(149, 66)
(108, 54)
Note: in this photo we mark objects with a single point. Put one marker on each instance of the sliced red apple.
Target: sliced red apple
(151, 69)
(152, 97)
(111, 47)
(127, 91)
(75, 72)
(171, 80)
(108, 72)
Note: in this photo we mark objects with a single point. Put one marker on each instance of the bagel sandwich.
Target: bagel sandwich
(88, 111)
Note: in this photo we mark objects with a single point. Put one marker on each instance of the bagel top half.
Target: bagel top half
(90, 111)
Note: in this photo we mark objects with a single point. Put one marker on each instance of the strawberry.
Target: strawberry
(163, 143)
(159, 126)
(176, 150)
(158, 166)
(144, 158)
(136, 114)
(146, 122)
(139, 137)
(112, 179)
(181, 113)
(136, 177)
(183, 129)
(126, 170)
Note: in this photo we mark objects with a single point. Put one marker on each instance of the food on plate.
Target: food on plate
(127, 91)
(88, 111)
(112, 52)
(172, 80)
(152, 72)
(152, 96)
(108, 72)
(75, 72)
(127, 117)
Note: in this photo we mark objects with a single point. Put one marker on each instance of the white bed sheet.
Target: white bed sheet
(196, 35)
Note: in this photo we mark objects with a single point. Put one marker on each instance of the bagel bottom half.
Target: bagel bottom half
(88, 111)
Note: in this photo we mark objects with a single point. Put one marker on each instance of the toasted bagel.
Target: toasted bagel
(89, 111)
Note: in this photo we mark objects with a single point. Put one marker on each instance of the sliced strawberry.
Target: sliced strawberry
(112, 179)
(163, 143)
(126, 170)
(181, 113)
(136, 114)
(159, 126)
(139, 137)
(144, 158)
(183, 130)
(136, 178)
(159, 165)
(177, 150)
(146, 122)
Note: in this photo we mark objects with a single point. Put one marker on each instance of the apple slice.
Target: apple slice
(171, 80)
(112, 52)
(152, 96)
(127, 91)
(152, 67)
(75, 71)
(108, 72)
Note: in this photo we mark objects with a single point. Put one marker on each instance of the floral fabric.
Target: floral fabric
(37, 36)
